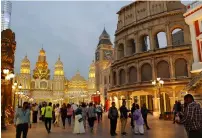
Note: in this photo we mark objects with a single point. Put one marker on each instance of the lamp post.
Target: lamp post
(158, 84)
(8, 76)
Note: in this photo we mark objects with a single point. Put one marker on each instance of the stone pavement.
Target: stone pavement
(159, 129)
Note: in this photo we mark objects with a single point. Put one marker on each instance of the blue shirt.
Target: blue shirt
(22, 116)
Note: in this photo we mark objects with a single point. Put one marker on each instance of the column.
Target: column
(147, 101)
(117, 77)
(164, 101)
(125, 47)
(155, 102)
(127, 77)
(172, 68)
(151, 39)
(168, 35)
(154, 75)
(194, 44)
(137, 43)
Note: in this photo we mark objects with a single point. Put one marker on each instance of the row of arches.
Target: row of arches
(159, 40)
(162, 70)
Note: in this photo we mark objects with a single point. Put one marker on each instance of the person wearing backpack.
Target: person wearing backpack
(113, 115)
(191, 117)
(48, 114)
(99, 112)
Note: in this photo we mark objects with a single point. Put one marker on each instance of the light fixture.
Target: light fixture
(11, 75)
(158, 79)
(7, 77)
(13, 86)
(20, 86)
(15, 83)
(5, 71)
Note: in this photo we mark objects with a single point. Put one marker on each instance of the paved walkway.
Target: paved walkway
(159, 129)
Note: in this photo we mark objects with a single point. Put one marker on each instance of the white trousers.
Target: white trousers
(139, 129)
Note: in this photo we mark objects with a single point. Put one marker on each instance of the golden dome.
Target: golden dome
(59, 63)
(25, 61)
(42, 52)
(77, 81)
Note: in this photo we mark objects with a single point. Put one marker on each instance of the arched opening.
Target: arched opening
(160, 40)
(120, 51)
(163, 70)
(181, 68)
(114, 78)
(145, 43)
(132, 73)
(122, 77)
(130, 47)
(146, 72)
(177, 37)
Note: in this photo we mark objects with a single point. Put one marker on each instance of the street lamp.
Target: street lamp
(158, 84)
(8, 76)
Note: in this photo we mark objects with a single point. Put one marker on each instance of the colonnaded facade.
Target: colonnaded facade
(139, 57)
(41, 87)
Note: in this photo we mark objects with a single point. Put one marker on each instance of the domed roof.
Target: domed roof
(77, 78)
(104, 38)
(59, 63)
(42, 51)
(25, 60)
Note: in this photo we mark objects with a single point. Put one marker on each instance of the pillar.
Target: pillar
(151, 39)
(172, 68)
(164, 102)
(147, 101)
(168, 35)
(155, 102)
(137, 44)
(117, 78)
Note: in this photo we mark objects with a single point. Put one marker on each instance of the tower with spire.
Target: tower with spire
(58, 79)
(91, 78)
(103, 56)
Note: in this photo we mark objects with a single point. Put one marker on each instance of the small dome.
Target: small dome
(59, 63)
(77, 78)
(25, 60)
(42, 52)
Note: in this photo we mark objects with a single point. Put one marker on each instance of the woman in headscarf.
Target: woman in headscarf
(78, 124)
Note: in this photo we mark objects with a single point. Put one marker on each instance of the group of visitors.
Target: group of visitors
(190, 115)
(138, 118)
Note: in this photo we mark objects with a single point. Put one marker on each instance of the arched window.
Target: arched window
(181, 68)
(32, 84)
(130, 47)
(160, 40)
(146, 72)
(114, 78)
(120, 51)
(177, 37)
(132, 74)
(163, 70)
(145, 43)
(43, 85)
(122, 76)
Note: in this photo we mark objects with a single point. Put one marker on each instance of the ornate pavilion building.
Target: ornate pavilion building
(41, 87)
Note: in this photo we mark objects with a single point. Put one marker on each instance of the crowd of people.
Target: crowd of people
(190, 115)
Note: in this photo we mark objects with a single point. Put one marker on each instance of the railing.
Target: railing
(193, 5)
(193, 82)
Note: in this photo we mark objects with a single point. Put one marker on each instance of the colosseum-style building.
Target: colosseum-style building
(152, 41)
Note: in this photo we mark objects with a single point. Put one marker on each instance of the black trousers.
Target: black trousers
(91, 121)
(145, 121)
(113, 123)
(21, 128)
(195, 134)
(63, 120)
(174, 117)
(35, 113)
(48, 124)
(99, 116)
(69, 117)
(132, 122)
